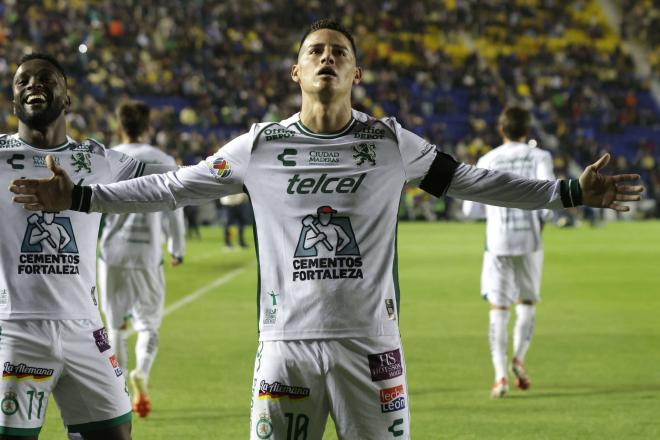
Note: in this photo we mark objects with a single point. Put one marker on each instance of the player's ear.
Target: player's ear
(358, 75)
(295, 73)
(68, 103)
(500, 130)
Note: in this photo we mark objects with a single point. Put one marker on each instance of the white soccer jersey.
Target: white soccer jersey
(49, 260)
(325, 209)
(135, 240)
(511, 231)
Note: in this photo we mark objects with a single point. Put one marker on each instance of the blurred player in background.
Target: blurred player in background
(130, 267)
(328, 309)
(236, 212)
(513, 259)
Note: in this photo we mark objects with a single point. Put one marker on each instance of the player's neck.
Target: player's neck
(49, 137)
(125, 139)
(321, 117)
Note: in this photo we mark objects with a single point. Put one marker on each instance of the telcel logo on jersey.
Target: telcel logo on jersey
(324, 184)
(392, 399)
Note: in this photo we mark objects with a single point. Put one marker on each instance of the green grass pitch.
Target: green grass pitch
(594, 361)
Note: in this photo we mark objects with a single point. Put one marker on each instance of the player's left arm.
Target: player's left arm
(474, 210)
(438, 174)
(513, 191)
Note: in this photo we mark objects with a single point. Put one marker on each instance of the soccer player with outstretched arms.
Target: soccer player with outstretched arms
(325, 186)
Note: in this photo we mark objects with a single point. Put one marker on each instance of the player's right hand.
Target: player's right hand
(51, 195)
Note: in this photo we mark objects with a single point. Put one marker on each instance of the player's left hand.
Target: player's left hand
(51, 195)
(175, 261)
(601, 191)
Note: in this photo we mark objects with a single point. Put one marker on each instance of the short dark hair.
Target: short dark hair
(329, 23)
(133, 118)
(515, 122)
(44, 56)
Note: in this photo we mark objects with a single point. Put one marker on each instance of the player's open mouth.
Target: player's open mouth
(327, 71)
(36, 99)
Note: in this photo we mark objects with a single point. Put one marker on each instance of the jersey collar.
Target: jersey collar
(306, 131)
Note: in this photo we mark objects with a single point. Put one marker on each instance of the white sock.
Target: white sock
(497, 336)
(118, 341)
(524, 329)
(146, 349)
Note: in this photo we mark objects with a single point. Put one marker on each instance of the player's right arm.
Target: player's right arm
(219, 175)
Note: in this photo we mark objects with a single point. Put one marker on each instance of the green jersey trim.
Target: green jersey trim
(256, 137)
(395, 272)
(256, 249)
(102, 424)
(306, 131)
(61, 147)
(20, 432)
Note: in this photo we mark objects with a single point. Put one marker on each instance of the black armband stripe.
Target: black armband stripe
(81, 198)
(140, 170)
(439, 176)
(570, 193)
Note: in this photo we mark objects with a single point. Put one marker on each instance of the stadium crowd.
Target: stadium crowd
(210, 69)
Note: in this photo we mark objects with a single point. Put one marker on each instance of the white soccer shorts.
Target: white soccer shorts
(360, 382)
(71, 359)
(138, 293)
(506, 280)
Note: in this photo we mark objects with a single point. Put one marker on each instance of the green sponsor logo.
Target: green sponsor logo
(393, 428)
(324, 184)
(264, 427)
(282, 157)
(81, 161)
(9, 404)
(13, 161)
(364, 152)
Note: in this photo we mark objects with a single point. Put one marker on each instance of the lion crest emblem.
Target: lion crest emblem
(364, 152)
